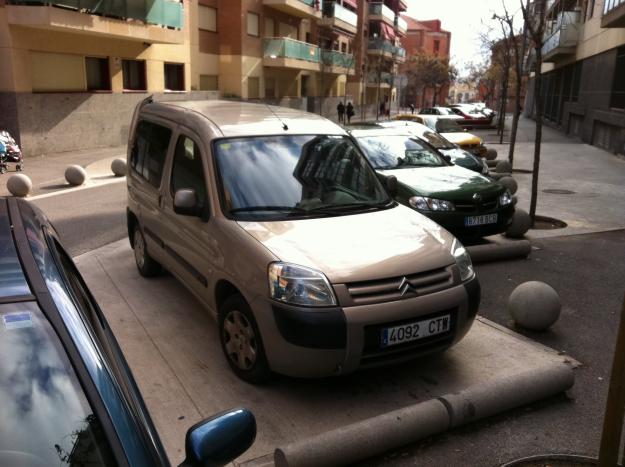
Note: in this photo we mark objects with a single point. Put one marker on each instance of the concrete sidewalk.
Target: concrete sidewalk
(172, 346)
(588, 181)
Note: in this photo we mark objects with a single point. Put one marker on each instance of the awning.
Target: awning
(352, 3)
(387, 31)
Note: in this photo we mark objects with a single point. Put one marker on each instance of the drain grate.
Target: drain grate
(557, 191)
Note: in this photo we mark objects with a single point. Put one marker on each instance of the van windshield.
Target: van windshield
(279, 177)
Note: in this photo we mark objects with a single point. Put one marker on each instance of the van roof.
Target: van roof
(245, 119)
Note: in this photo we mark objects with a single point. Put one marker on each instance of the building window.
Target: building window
(270, 27)
(52, 72)
(618, 84)
(174, 76)
(207, 18)
(97, 71)
(134, 75)
(209, 83)
(253, 21)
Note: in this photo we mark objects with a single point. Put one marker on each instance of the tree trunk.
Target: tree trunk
(504, 104)
(518, 71)
(538, 100)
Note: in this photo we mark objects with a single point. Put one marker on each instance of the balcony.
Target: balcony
(299, 8)
(150, 21)
(339, 17)
(375, 79)
(380, 12)
(562, 42)
(289, 53)
(384, 48)
(401, 25)
(613, 14)
(338, 62)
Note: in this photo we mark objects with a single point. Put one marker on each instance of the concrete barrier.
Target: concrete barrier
(361, 440)
(499, 251)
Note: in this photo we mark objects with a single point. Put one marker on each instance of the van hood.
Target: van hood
(358, 247)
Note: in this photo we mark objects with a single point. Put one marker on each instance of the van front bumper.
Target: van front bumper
(319, 342)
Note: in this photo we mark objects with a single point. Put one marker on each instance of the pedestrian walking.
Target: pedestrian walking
(341, 111)
(412, 108)
(349, 112)
(382, 109)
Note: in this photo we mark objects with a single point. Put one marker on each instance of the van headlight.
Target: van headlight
(463, 260)
(505, 198)
(298, 285)
(421, 203)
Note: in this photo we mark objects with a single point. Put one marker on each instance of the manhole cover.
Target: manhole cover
(548, 223)
(557, 191)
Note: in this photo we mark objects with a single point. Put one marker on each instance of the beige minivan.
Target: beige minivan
(275, 221)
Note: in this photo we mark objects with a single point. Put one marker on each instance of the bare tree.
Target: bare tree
(534, 16)
(429, 72)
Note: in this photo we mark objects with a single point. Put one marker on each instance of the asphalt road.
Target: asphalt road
(88, 219)
(588, 272)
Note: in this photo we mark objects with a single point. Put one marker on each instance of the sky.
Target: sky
(464, 19)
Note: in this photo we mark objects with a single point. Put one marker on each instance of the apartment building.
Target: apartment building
(584, 71)
(73, 70)
(378, 53)
(273, 49)
(429, 38)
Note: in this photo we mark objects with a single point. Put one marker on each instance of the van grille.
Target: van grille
(399, 288)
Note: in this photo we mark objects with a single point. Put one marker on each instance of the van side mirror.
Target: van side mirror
(220, 439)
(391, 185)
(186, 203)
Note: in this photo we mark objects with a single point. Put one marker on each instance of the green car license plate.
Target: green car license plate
(471, 221)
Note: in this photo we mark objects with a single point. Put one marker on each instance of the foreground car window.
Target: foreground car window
(436, 140)
(46, 419)
(295, 176)
(398, 152)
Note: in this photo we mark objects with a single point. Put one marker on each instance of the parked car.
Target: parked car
(457, 155)
(464, 202)
(471, 117)
(68, 396)
(277, 223)
(441, 112)
(451, 131)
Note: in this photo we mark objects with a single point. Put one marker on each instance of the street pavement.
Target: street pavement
(584, 263)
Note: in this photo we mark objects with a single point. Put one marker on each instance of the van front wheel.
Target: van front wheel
(147, 266)
(241, 341)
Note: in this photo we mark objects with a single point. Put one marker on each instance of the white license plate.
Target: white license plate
(470, 221)
(414, 331)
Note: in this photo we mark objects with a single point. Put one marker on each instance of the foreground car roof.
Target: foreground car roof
(393, 131)
(244, 119)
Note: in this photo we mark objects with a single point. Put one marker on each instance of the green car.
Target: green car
(463, 201)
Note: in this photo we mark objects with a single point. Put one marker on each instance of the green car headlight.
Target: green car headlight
(421, 203)
(463, 260)
(299, 285)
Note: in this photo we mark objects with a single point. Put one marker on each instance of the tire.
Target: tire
(147, 266)
(241, 342)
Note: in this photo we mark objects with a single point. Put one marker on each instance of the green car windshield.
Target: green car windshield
(398, 152)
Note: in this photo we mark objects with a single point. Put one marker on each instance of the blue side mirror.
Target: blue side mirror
(220, 439)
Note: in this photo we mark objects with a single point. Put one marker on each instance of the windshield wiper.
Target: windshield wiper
(350, 206)
(267, 208)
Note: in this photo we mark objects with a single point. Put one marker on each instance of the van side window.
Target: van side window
(149, 151)
(187, 170)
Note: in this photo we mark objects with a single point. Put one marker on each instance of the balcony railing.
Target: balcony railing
(336, 58)
(167, 13)
(283, 47)
(379, 78)
(381, 44)
(334, 10)
(380, 9)
(564, 36)
(401, 24)
(609, 5)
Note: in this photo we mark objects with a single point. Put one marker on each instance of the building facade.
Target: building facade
(584, 71)
(428, 38)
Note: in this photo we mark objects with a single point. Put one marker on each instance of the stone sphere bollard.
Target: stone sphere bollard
(510, 183)
(75, 175)
(19, 185)
(534, 305)
(521, 223)
(491, 154)
(503, 167)
(118, 167)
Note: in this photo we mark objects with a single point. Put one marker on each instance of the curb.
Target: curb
(367, 438)
(499, 251)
